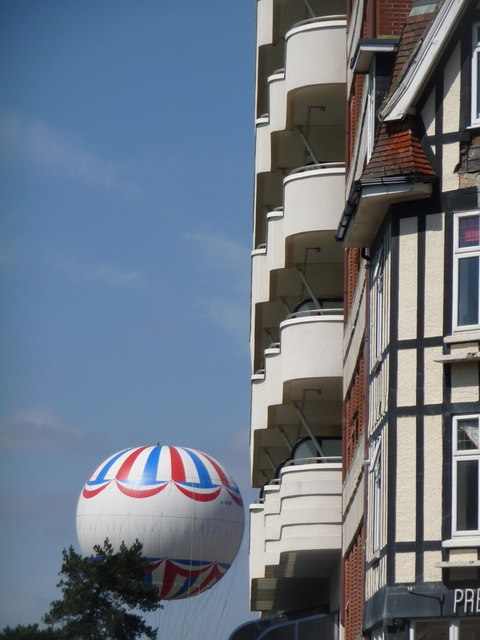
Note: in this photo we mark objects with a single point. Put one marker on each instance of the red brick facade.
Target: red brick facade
(391, 16)
(355, 413)
(353, 587)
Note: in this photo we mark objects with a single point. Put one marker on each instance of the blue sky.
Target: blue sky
(126, 166)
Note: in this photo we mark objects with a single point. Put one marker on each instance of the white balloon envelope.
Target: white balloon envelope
(181, 504)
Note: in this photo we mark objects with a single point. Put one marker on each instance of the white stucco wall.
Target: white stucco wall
(433, 376)
(407, 290)
(434, 259)
(432, 475)
(406, 480)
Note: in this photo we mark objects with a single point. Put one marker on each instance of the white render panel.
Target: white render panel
(322, 40)
(407, 285)
(312, 347)
(434, 260)
(451, 84)
(406, 480)
(433, 478)
(431, 573)
(407, 380)
(450, 161)
(433, 385)
(465, 382)
(404, 567)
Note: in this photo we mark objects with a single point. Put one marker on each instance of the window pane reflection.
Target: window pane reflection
(467, 495)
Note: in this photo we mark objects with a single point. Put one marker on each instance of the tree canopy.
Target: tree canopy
(28, 632)
(100, 593)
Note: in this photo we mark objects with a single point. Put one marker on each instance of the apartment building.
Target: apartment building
(365, 321)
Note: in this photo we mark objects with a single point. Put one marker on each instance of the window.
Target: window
(466, 271)
(460, 629)
(370, 115)
(476, 74)
(376, 486)
(466, 477)
(377, 314)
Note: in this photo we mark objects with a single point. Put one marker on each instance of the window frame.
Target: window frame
(370, 111)
(458, 254)
(475, 75)
(459, 456)
(378, 299)
(375, 469)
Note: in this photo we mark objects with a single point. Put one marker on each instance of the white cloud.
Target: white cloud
(37, 141)
(39, 429)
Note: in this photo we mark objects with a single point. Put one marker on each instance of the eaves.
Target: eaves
(369, 201)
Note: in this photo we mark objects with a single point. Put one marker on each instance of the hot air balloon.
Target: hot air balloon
(181, 504)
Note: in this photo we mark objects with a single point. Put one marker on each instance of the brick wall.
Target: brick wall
(391, 16)
(354, 587)
(355, 413)
(353, 260)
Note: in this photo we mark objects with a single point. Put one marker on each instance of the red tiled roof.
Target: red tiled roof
(398, 152)
(410, 41)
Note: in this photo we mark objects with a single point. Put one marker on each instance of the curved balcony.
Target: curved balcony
(277, 101)
(263, 154)
(297, 528)
(264, 22)
(313, 204)
(290, 370)
(314, 198)
(321, 42)
(260, 276)
(308, 333)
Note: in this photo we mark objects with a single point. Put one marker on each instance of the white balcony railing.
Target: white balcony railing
(300, 511)
(310, 350)
(321, 40)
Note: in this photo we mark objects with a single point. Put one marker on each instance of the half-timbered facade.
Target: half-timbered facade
(411, 220)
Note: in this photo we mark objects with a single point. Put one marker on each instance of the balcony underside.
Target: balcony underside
(297, 529)
(321, 407)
